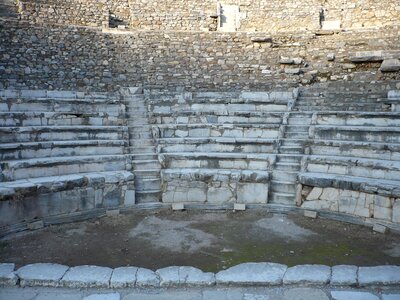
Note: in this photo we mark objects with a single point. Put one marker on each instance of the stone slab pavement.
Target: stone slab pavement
(206, 293)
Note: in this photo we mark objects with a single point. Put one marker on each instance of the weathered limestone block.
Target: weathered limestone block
(307, 274)
(253, 274)
(7, 274)
(123, 277)
(177, 276)
(344, 275)
(381, 275)
(252, 193)
(44, 274)
(390, 65)
(87, 276)
(146, 277)
(366, 56)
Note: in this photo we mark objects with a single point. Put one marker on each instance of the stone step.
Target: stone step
(296, 128)
(149, 173)
(291, 149)
(142, 149)
(284, 175)
(60, 148)
(142, 165)
(293, 142)
(296, 135)
(56, 166)
(287, 166)
(50, 133)
(147, 184)
(292, 157)
(144, 156)
(286, 187)
(140, 135)
(148, 196)
(282, 198)
(299, 121)
(138, 121)
(144, 142)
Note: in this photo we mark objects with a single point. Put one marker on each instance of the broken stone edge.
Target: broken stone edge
(268, 274)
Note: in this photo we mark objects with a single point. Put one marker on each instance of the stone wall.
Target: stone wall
(192, 15)
(350, 202)
(68, 12)
(64, 58)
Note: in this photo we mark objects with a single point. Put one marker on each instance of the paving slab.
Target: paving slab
(391, 296)
(7, 275)
(307, 274)
(123, 277)
(223, 295)
(43, 274)
(344, 275)
(109, 296)
(381, 275)
(305, 294)
(166, 295)
(352, 295)
(146, 277)
(87, 276)
(253, 274)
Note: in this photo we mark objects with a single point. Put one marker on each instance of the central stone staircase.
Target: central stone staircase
(290, 151)
(142, 149)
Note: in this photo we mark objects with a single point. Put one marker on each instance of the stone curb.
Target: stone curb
(246, 274)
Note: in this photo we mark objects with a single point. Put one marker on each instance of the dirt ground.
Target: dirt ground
(209, 240)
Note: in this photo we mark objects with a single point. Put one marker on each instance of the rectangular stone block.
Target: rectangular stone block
(239, 206)
(7, 275)
(42, 274)
(178, 206)
(252, 193)
(87, 277)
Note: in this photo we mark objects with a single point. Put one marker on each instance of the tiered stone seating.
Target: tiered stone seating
(61, 153)
(218, 147)
(353, 164)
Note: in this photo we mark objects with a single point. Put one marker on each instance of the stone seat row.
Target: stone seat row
(65, 196)
(217, 144)
(216, 130)
(58, 119)
(358, 149)
(215, 186)
(61, 165)
(63, 133)
(212, 117)
(111, 107)
(27, 150)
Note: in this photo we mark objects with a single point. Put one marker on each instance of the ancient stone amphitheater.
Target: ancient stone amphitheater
(129, 104)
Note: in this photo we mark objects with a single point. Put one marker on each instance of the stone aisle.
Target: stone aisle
(244, 293)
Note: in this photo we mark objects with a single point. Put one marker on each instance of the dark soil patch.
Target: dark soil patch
(208, 240)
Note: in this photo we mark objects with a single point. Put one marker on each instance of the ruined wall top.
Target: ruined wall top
(212, 15)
